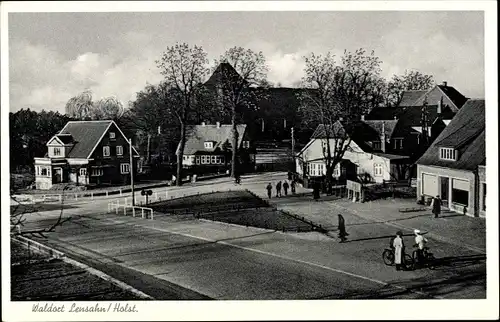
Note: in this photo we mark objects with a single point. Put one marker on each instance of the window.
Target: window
(83, 171)
(43, 171)
(184, 158)
(213, 159)
(197, 159)
(112, 135)
(124, 168)
(378, 170)
(377, 145)
(218, 159)
(484, 197)
(97, 172)
(460, 192)
(205, 159)
(105, 151)
(209, 145)
(398, 144)
(119, 150)
(57, 151)
(246, 144)
(448, 154)
(336, 170)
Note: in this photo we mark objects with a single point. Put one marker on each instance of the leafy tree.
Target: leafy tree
(184, 68)
(410, 80)
(82, 107)
(343, 90)
(241, 81)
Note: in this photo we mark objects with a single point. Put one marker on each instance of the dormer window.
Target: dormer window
(376, 145)
(246, 144)
(57, 151)
(448, 154)
(209, 145)
(112, 135)
(398, 144)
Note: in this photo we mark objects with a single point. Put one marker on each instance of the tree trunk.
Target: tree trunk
(148, 153)
(235, 145)
(329, 177)
(180, 155)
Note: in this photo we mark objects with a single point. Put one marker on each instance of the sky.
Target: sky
(55, 56)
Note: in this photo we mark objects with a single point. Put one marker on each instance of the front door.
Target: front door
(445, 189)
(58, 175)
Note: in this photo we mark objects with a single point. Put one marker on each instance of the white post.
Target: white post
(76, 196)
(124, 210)
(120, 192)
(156, 195)
(151, 214)
(60, 198)
(133, 211)
(92, 196)
(142, 213)
(106, 193)
(125, 201)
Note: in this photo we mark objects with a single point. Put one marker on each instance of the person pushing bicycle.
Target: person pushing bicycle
(420, 242)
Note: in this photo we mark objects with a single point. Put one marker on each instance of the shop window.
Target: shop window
(460, 197)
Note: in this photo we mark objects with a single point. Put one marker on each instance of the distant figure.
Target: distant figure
(269, 188)
(436, 206)
(285, 187)
(278, 189)
(292, 185)
(342, 232)
(398, 247)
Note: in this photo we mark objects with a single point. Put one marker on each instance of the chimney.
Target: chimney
(218, 124)
(445, 83)
(382, 138)
(362, 117)
(202, 123)
(440, 106)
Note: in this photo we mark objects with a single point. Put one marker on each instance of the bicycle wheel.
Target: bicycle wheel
(388, 257)
(409, 262)
(431, 261)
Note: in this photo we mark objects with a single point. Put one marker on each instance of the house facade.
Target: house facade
(454, 165)
(209, 146)
(371, 154)
(86, 153)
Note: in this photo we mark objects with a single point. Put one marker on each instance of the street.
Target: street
(221, 261)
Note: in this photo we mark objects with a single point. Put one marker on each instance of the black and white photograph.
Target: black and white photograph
(217, 160)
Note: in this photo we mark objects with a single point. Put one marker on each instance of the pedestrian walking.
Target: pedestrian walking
(278, 189)
(398, 247)
(292, 185)
(342, 232)
(436, 206)
(269, 188)
(285, 187)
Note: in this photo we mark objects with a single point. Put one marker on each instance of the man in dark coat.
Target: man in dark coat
(278, 189)
(342, 232)
(292, 185)
(285, 187)
(269, 188)
(436, 206)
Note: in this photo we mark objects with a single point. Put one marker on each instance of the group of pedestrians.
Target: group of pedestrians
(279, 185)
(398, 246)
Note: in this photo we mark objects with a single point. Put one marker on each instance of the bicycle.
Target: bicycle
(388, 258)
(427, 256)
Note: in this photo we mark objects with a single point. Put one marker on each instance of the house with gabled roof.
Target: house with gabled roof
(373, 153)
(210, 146)
(87, 153)
(454, 165)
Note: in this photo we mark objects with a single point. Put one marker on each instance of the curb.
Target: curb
(60, 255)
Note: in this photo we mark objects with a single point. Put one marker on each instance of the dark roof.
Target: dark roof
(224, 71)
(410, 97)
(197, 135)
(86, 135)
(280, 102)
(360, 132)
(412, 115)
(454, 95)
(383, 113)
(447, 94)
(466, 133)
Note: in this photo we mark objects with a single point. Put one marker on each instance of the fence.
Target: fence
(115, 206)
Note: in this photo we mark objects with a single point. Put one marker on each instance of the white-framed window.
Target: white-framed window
(209, 145)
(246, 144)
(57, 151)
(398, 143)
(112, 135)
(119, 150)
(197, 159)
(205, 159)
(124, 168)
(105, 151)
(83, 171)
(378, 169)
(97, 172)
(377, 145)
(449, 154)
(213, 159)
(218, 159)
(336, 170)
(43, 171)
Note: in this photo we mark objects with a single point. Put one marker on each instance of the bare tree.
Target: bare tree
(241, 81)
(184, 68)
(107, 108)
(340, 93)
(410, 81)
(82, 107)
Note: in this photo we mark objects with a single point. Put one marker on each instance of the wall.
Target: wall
(450, 173)
(482, 180)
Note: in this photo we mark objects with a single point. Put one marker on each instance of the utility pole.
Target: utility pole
(131, 172)
(293, 146)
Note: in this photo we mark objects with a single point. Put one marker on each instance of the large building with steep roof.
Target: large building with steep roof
(86, 153)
